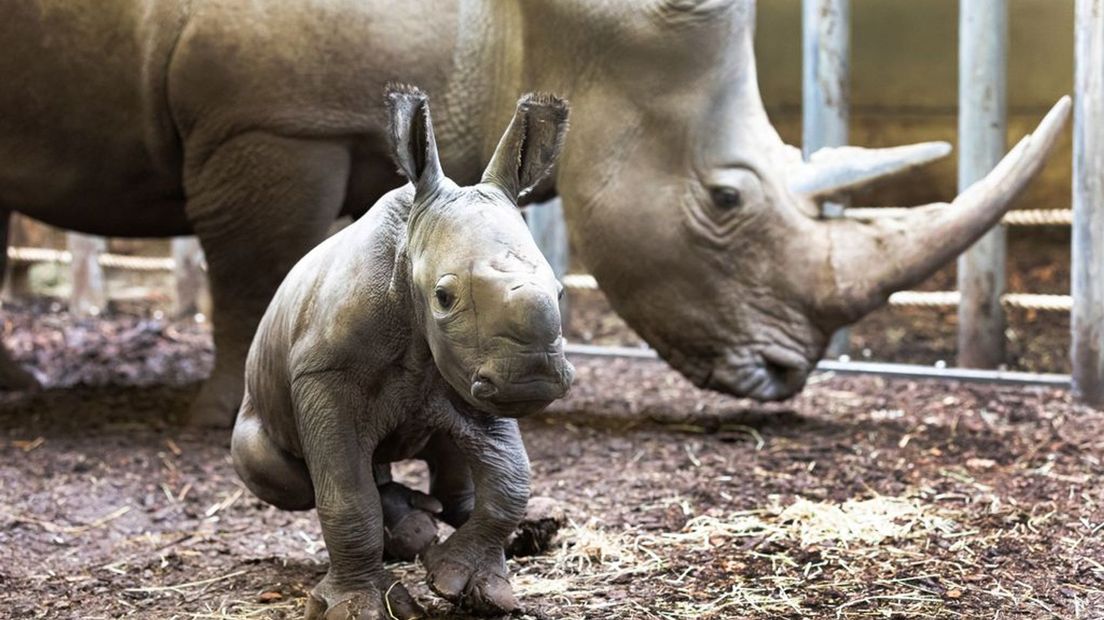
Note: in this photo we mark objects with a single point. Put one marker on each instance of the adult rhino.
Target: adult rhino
(255, 124)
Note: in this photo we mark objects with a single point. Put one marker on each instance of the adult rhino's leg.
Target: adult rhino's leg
(12, 375)
(258, 204)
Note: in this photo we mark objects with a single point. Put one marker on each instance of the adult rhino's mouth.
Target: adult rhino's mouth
(766, 373)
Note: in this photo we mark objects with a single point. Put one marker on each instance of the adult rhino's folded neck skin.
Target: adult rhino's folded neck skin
(700, 224)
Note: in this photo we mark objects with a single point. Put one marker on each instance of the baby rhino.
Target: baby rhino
(422, 330)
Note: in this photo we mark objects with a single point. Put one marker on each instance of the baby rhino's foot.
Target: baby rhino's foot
(475, 580)
(408, 524)
(383, 599)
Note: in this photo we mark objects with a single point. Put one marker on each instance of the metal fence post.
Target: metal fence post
(982, 127)
(546, 222)
(189, 281)
(1087, 320)
(87, 296)
(826, 105)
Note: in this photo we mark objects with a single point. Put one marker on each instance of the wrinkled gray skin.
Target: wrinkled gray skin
(253, 125)
(423, 329)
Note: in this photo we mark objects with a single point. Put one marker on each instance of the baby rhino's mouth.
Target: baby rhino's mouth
(516, 396)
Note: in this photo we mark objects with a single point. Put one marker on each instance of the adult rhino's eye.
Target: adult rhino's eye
(727, 198)
(736, 192)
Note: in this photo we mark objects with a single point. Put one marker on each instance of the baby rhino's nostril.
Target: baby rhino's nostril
(483, 387)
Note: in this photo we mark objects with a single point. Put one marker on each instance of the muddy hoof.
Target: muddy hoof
(380, 598)
(544, 517)
(474, 580)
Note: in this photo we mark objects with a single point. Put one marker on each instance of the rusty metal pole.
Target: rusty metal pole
(1087, 320)
(982, 127)
(826, 93)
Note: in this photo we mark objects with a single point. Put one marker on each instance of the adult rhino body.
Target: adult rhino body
(254, 125)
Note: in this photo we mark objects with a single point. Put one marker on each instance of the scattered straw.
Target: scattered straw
(807, 547)
(180, 588)
(55, 528)
(870, 521)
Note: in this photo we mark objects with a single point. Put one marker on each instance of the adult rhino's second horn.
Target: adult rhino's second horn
(871, 259)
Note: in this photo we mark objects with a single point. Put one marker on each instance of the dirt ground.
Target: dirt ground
(861, 498)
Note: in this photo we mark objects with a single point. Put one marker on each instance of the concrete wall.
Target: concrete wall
(905, 82)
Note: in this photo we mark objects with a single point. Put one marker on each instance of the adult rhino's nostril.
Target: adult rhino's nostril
(786, 371)
(778, 373)
(483, 388)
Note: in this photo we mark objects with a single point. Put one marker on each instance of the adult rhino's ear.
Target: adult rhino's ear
(530, 146)
(410, 131)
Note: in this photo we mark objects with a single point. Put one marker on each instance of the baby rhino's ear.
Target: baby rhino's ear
(530, 146)
(410, 131)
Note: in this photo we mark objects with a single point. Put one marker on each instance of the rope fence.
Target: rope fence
(110, 261)
(1025, 217)
(916, 299)
(929, 299)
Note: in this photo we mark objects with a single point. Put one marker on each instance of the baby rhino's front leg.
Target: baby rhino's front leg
(340, 463)
(469, 568)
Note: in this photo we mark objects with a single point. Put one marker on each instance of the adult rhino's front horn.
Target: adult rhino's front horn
(873, 258)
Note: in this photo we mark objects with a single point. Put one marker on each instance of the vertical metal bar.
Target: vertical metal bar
(190, 283)
(826, 104)
(88, 296)
(1087, 320)
(982, 127)
(546, 222)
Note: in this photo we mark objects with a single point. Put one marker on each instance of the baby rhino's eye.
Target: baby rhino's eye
(445, 299)
(445, 292)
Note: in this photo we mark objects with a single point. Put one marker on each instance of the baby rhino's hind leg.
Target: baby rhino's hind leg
(267, 469)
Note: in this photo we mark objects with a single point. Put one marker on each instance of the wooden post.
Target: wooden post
(826, 92)
(546, 222)
(88, 296)
(22, 232)
(982, 127)
(1087, 320)
(189, 280)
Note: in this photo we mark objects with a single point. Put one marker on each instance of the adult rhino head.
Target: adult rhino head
(700, 224)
